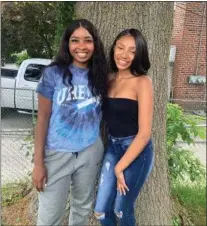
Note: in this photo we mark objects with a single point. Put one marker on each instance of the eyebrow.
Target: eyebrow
(119, 43)
(87, 37)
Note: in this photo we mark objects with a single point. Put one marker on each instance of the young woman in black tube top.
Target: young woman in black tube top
(128, 112)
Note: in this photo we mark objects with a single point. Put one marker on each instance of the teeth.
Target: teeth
(82, 54)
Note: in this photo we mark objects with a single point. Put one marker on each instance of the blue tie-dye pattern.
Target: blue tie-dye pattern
(70, 129)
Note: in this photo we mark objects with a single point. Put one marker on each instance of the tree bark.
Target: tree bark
(154, 20)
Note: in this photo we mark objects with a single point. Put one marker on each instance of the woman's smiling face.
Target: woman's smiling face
(81, 47)
(124, 52)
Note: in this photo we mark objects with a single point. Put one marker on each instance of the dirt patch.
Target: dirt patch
(16, 214)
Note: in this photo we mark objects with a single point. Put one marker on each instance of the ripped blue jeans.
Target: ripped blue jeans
(110, 205)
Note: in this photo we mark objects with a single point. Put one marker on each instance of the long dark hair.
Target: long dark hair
(97, 74)
(140, 64)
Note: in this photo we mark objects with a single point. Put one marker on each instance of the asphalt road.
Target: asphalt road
(13, 120)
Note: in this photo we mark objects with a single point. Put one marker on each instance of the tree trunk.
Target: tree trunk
(154, 20)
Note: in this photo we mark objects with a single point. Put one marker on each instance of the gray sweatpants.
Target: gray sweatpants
(74, 173)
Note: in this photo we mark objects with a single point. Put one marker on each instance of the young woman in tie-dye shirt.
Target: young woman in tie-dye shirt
(68, 148)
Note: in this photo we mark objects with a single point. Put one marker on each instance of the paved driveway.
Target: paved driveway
(14, 120)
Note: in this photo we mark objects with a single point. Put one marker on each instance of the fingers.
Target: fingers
(39, 177)
(44, 182)
(122, 187)
(121, 184)
(39, 185)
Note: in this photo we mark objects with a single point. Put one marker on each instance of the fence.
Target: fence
(17, 133)
(18, 129)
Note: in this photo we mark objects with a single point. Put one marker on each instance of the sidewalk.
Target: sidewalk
(199, 148)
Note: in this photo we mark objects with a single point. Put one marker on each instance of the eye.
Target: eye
(74, 40)
(89, 41)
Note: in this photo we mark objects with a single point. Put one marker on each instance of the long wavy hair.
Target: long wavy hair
(97, 65)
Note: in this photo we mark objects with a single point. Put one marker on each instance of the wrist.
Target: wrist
(39, 163)
(118, 169)
(39, 158)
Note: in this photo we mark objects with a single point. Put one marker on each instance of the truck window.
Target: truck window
(33, 72)
(8, 73)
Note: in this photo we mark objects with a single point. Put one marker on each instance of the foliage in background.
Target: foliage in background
(190, 203)
(9, 33)
(28, 26)
(182, 163)
(33, 26)
(186, 171)
(12, 192)
(20, 57)
(64, 16)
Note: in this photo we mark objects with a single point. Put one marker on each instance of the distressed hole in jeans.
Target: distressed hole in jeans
(99, 216)
(119, 215)
(107, 165)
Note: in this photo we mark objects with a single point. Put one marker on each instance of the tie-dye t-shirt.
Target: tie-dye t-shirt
(75, 119)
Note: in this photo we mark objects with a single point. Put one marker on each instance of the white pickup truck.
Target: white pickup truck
(18, 85)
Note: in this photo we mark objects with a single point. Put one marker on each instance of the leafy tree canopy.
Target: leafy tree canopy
(33, 26)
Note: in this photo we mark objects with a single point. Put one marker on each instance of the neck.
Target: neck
(122, 74)
(81, 65)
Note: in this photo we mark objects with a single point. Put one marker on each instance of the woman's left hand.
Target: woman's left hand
(121, 184)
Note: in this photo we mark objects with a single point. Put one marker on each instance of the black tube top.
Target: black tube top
(121, 116)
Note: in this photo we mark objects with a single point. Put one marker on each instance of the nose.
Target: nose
(125, 54)
(82, 45)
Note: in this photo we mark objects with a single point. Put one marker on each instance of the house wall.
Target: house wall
(189, 37)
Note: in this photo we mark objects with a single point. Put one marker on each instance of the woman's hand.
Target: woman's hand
(121, 184)
(39, 177)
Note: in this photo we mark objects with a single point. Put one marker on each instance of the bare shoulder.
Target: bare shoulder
(144, 79)
(144, 85)
(143, 82)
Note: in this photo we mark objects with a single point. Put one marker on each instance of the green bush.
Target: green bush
(12, 192)
(20, 57)
(182, 163)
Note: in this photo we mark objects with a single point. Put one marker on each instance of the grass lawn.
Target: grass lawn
(190, 202)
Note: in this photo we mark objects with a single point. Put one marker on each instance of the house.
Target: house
(188, 82)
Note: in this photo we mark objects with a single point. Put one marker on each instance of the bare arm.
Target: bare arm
(145, 115)
(44, 112)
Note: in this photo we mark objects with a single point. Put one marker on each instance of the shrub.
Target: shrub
(182, 163)
(20, 57)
